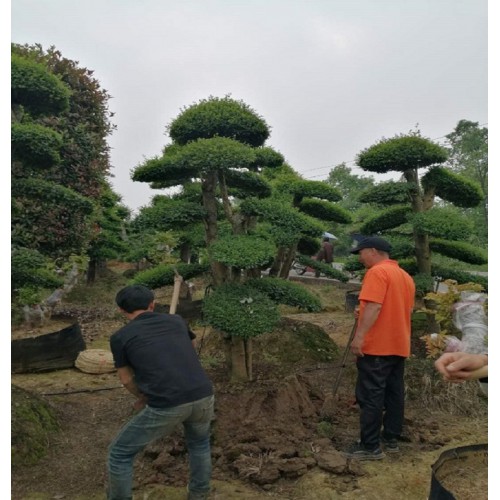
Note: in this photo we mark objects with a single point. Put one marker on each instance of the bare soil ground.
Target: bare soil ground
(271, 438)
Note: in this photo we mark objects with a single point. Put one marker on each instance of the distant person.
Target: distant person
(381, 344)
(157, 363)
(325, 253)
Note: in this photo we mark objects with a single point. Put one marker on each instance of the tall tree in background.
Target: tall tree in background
(468, 156)
(351, 186)
(412, 207)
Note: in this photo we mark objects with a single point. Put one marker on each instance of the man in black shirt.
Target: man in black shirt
(157, 363)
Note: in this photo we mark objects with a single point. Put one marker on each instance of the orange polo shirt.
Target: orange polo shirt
(387, 284)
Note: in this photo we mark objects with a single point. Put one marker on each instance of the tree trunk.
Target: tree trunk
(420, 203)
(288, 261)
(423, 253)
(208, 186)
(241, 359)
(91, 272)
(278, 262)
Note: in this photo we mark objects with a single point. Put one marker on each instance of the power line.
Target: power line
(353, 161)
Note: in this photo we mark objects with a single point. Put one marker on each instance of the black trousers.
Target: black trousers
(380, 396)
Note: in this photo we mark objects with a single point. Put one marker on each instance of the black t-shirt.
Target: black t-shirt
(159, 350)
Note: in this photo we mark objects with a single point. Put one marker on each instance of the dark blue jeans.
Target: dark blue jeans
(380, 396)
(153, 423)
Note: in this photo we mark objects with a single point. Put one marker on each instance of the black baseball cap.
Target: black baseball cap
(373, 242)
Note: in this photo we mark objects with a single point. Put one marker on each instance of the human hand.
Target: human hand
(139, 404)
(461, 366)
(356, 346)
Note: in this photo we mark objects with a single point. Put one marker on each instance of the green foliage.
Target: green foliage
(57, 214)
(443, 222)
(243, 252)
(169, 213)
(349, 184)
(246, 184)
(401, 153)
(312, 189)
(288, 224)
(240, 310)
(37, 147)
(308, 245)
(36, 88)
(402, 247)
(52, 193)
(216, 154)
(445, 273)
(410, 266)
(222, 117)
(352, 265)
(424, 283)
(325, 210)
(387, 193)
(85, 125)
(459, 250)
(164, 275)
(388, 219)
(326, 269)
(452, 187)
(30, 270)
(32, 422)
(163, 172)
(288, 293)
(266, 157)
(469, 151)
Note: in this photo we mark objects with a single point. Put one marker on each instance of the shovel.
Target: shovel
(344, 357)
(329, 403)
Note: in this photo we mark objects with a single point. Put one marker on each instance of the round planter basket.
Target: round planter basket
(95, 361)
(460, 473)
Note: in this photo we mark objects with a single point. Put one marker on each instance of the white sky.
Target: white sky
(330, 77)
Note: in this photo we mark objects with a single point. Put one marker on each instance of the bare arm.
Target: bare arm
(365, 322)
(126, 376)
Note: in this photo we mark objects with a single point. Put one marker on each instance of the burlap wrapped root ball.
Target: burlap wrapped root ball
(95, 361)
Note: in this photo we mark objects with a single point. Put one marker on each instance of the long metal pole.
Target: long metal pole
(344, 357)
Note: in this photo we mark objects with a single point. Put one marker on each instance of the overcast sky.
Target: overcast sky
(330, 77)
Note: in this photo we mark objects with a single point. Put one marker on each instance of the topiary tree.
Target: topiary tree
(217, 156)
(415, 206)
(316, 200)
(59, 155)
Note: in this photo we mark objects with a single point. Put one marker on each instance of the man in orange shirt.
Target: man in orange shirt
(381, 344)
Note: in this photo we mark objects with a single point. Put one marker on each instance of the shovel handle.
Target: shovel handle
(344, 357)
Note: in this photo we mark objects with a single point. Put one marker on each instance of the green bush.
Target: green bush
(223, 117)
(35, 146)
(240, 310)
(243, 252)
(164, 275)
(326, 269)
(35, 88)
(452, 187)
(288, 293)
(389, 219)
(459, 250)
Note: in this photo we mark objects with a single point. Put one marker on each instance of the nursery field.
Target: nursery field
(278, 436)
